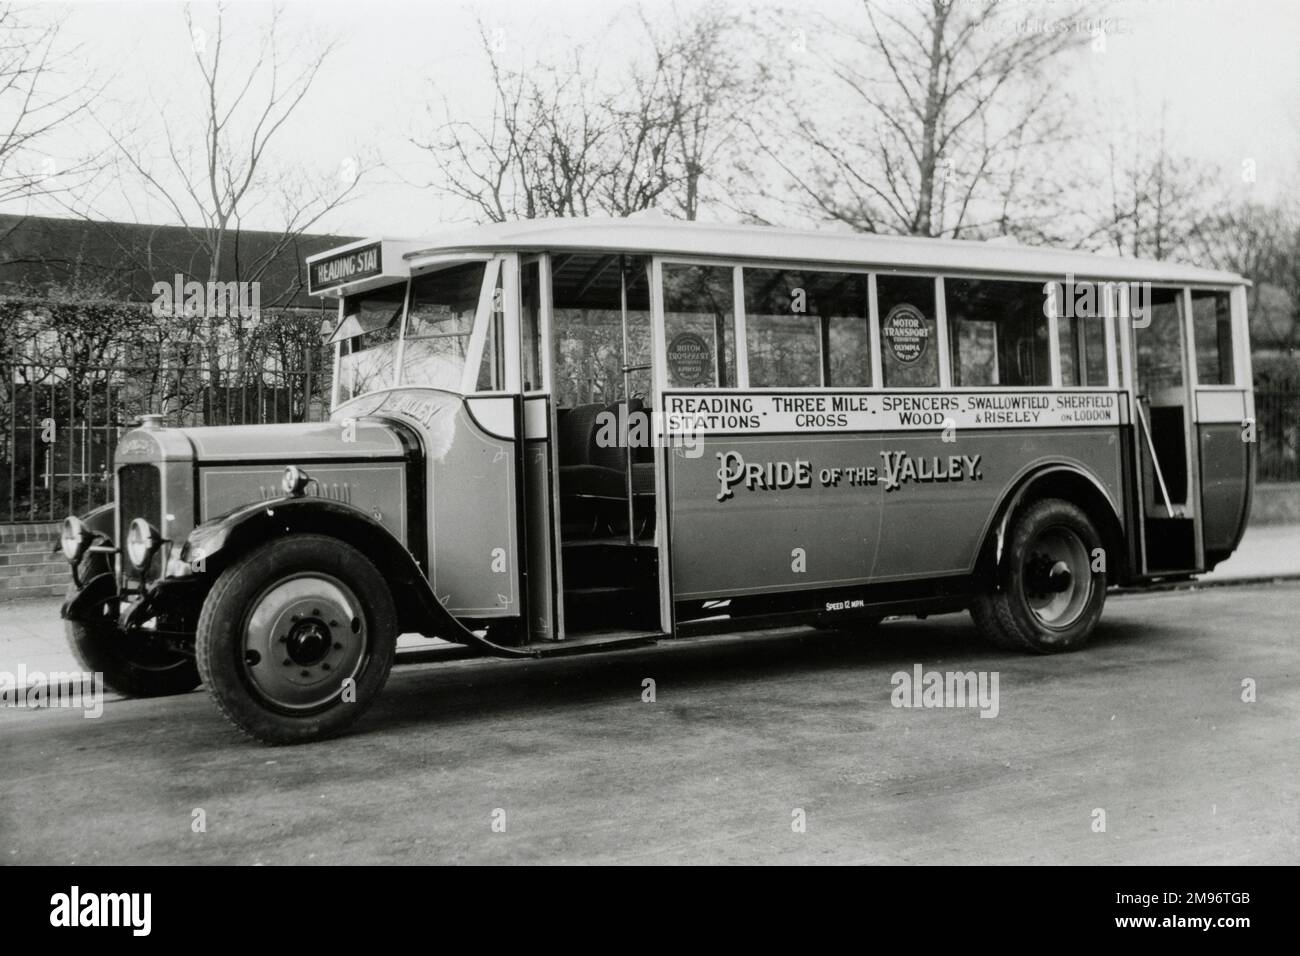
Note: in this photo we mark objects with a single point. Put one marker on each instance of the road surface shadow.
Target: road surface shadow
(477, 687)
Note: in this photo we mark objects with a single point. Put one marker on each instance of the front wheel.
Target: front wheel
(135, 664)
(1049, 590)
(296, 639)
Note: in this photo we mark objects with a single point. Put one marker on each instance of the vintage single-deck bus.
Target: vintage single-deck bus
(549, 437)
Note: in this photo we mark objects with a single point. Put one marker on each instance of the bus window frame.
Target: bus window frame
(742, 328)
(1240, 338)
(1053, 332)
(1118, 340)
(739, 325)
(544, 305)
(437, 264)
(1243, 374)
(1240, 334)
(1113, 378)
(941, 332)
(659, 318)
(479, 334)
(337, 360)
(1115, 373)
(498, 267)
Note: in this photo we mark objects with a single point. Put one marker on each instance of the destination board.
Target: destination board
(741, 413)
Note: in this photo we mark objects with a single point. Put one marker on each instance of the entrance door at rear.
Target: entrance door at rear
(1168, 466)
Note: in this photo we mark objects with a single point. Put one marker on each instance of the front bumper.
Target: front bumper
(170, 606)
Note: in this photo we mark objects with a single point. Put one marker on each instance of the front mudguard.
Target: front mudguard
(177, 602)
(174, 602)
(88, 603)
(220, 541)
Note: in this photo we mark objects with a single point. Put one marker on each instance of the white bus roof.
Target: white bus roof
(768, 243)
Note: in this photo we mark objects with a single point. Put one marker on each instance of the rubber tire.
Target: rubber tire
(99, 649)
(1003, 617)
(219, 642)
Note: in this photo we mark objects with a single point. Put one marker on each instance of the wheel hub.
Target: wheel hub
(1057, 577)
(1047, 576)
(304, 637)
(308, 642)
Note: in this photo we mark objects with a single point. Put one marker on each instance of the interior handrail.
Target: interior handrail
(628, 484)
(1155, 462)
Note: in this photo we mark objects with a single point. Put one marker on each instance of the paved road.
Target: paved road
(1147, 725)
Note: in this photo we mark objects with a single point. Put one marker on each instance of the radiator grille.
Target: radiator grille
(139, 495)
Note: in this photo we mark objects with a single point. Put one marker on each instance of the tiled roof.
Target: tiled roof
(121, 260)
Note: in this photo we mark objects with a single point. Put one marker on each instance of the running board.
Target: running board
(596, 641)
(581, 644)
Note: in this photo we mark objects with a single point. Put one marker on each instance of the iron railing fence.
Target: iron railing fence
(59, 424)
(1277, 421)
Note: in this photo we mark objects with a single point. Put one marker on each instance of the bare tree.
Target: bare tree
(38, 96)
(537, 154)
(704, 90)
(564, 140)
(1158, 204)
(925, 120)
(214, 165)
(1261, 241)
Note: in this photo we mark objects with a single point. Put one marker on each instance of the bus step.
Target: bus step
(603, 607)
(617, 541)
(605, 564)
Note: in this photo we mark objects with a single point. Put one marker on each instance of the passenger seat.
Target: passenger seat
(589, 470)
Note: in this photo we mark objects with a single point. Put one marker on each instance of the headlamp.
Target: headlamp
(75, 538)
(141, 543)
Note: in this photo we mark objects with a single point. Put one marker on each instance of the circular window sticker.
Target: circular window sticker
(906, 330)
(689, 359)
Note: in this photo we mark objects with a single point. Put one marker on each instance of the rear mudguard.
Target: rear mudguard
(215, 544)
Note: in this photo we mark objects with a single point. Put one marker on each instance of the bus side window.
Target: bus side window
(587, 329)
(806, 329)
(700, 323)
(909, 333)
(1017, 353)
(1212, 325)
(589, 292)
(1082, 342)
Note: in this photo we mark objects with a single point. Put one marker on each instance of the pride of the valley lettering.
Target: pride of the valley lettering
(897, 468)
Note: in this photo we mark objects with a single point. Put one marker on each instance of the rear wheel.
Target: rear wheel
(1046, 596)
(296, 639)
(134, 664)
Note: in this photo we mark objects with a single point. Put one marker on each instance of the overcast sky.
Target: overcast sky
(1227, 71)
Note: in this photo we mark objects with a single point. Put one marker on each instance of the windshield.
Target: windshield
(438, 328)
(437, 340)
(368, 349)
